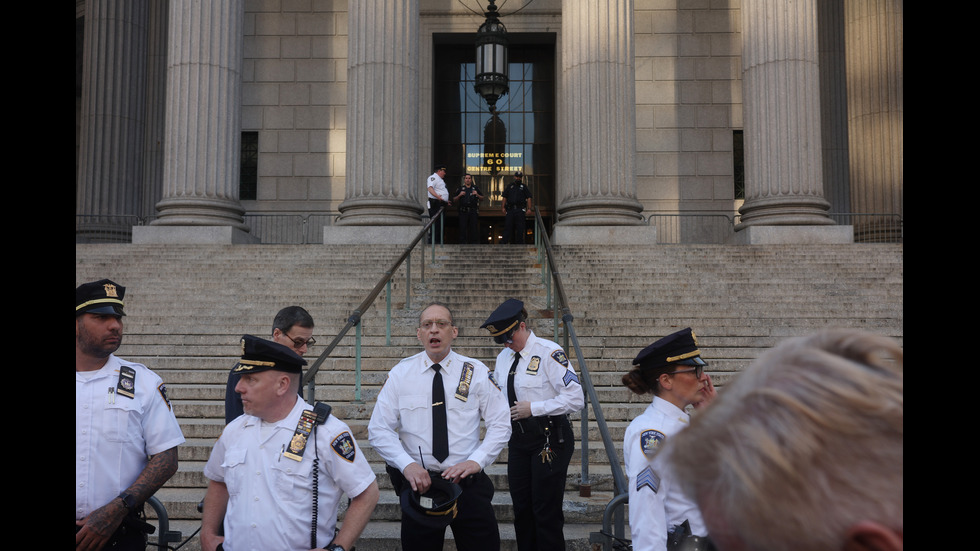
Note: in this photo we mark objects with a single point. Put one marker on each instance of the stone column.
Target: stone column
(113, 99)
(597, 115)
(156, 105)
(203, 132)
(383, 176)
(875, 107)
(781, 85)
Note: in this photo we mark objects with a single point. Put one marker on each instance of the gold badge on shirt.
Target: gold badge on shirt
(533, 365)
(465, 379)
(297, 444)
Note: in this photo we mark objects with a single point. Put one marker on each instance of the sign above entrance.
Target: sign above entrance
(478, 161)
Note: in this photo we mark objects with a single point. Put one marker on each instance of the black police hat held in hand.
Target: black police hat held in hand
(436, 507)
(262, 355)
(100, 297)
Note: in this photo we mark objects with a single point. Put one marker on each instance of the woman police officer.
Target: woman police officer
(661, 516)
(542, 389)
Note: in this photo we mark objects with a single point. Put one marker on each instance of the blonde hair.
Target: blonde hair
(805, 443)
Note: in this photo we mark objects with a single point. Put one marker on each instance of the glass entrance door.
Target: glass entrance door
(492, 147)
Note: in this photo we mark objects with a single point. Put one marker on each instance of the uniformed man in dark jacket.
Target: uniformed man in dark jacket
(517, 203)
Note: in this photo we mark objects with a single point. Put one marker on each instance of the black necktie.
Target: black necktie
(511, 393)
(440, 433)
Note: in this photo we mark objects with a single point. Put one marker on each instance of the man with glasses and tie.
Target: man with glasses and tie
(292, 328)
(426, 423)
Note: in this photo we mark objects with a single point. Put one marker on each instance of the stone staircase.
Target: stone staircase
(188, 305)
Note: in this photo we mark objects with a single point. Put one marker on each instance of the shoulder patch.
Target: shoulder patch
(559, 356)
(647, 479)
(343, 444)
(570, 377)
(650, 441)
(162, 389)
(492, 380)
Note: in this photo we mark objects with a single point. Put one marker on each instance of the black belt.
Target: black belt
(467, 209)
(535, 426)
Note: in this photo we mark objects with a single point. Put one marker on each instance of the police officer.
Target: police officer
(277, 473)
(661, 516)
(468, 199)
(542, 389)
(122, 417)
(426, 426)
(516, 205)
(437, 197)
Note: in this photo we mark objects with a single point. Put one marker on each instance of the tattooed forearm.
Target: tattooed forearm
(157, 472)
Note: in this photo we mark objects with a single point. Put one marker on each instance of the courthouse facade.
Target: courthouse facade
(190, 114)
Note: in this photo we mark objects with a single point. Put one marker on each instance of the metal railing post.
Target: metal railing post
(357, 365)
(388, 314)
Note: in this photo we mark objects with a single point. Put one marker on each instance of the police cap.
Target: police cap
(436, 508)
(99, 297)
(677, 348)
(262, 355)
(506, 317)
(439, 167)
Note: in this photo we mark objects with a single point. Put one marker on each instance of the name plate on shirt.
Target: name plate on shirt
(465, 379)
(297, 444)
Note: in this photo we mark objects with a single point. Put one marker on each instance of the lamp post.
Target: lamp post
(492, 80)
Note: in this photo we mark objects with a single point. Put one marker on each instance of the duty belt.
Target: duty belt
(535, 426)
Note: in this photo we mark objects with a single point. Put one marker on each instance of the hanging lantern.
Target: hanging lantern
(492, 79)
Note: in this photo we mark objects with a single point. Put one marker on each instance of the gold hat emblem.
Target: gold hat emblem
(110, 290)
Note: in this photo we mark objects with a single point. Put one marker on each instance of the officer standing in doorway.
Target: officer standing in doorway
(517, 203)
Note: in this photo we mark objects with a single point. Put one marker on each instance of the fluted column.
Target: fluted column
(597, 115)
(203, 133)
(383, 177)
(781, 83)
(113, 99)
(875, 76)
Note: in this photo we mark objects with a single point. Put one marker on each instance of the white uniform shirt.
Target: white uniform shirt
(401, 422)
(114, 434)
(544, 377)
(270, 495)
(439, 185)
(657, 503)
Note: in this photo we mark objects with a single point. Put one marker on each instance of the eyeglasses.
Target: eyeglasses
(298, 342)
(441, 324)
(698, 371)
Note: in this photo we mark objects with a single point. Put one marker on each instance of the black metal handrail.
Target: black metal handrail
(355, 317)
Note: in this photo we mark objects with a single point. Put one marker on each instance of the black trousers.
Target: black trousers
(537, 488)
(475, 526)
(468, 227)
(515, 226)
